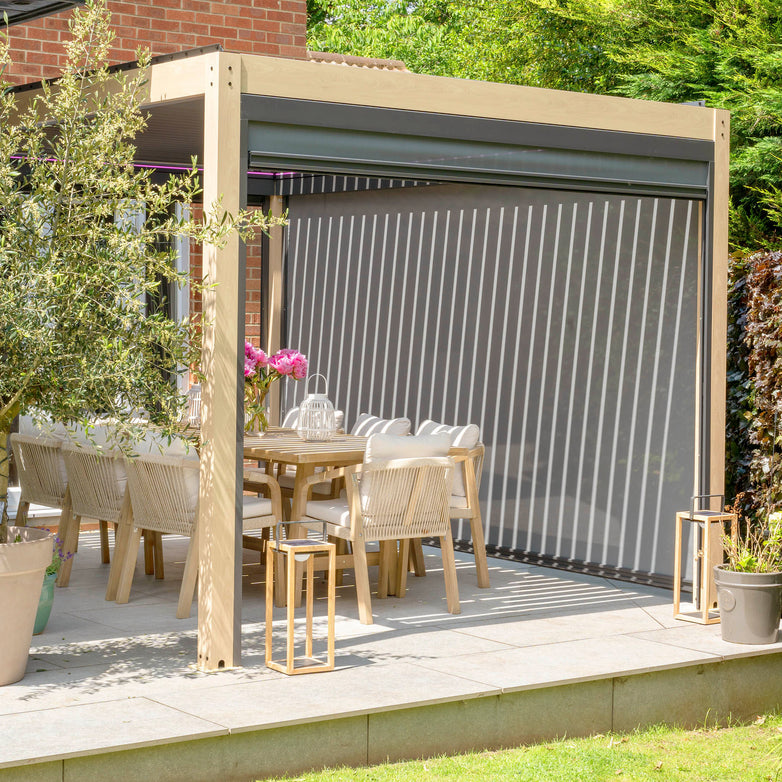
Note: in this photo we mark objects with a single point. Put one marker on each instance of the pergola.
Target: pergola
(239, 112)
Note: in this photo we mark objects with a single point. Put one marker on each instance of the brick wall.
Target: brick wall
(252, 323)
(270, 27)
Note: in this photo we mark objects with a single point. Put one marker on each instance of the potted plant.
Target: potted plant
(47, 590)
(749, 584)
(87, 259)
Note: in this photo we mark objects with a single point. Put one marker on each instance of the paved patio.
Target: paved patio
(111, 690)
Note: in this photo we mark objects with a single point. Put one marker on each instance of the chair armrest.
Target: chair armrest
(332, 475)
(463, 454)
(254, 479)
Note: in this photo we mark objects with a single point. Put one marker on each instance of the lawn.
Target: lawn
(744, 753)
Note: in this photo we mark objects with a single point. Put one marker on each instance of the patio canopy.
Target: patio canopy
(631, 195)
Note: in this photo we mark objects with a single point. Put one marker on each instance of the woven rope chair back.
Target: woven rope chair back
(41, 469)
(97, 482)
(163, 493)
(194, 405)
(405, 498)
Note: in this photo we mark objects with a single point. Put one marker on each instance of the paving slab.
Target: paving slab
(573, 661)
(278, 701)
(96, 727)
(707, 638)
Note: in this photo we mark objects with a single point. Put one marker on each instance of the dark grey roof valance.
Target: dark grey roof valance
(18, 11)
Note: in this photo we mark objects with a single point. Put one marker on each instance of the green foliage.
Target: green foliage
(543, 43)
(76, 336)
(727, 53)
(758, 549)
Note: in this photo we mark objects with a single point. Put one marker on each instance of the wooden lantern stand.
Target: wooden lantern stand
(708, 551)
(298, 550)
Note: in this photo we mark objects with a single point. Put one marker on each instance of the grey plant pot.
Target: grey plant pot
(750, 605)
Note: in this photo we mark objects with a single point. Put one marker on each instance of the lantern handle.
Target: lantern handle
(325, 383)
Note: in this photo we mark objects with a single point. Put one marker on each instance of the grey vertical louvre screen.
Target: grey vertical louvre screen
(563, 324)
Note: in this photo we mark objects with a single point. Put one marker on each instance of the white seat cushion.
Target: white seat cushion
(461, 437)
(252, 509)
(385, 447)
(333, 511)
(367, 425)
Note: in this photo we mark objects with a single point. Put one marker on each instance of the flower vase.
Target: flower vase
(256, 420)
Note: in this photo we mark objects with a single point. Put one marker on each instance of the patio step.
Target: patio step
(479, 718)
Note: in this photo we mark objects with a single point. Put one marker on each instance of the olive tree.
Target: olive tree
(77, 335)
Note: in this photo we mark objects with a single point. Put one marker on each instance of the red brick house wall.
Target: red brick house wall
(270, 27)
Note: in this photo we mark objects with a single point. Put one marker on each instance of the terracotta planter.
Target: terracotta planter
(22, 568)
(749, 605)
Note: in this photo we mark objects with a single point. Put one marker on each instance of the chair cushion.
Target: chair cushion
(385, 447)
(367, 425)
(333, 511)
(461, 437)
(252, 509)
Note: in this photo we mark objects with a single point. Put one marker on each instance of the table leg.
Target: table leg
(298, 511)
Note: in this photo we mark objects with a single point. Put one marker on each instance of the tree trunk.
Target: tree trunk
(5, 464)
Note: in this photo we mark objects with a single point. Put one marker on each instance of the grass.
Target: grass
(743, 753)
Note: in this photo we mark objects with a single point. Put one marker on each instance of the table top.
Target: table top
(284, 445)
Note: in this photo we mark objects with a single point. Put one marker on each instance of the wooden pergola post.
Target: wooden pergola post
(274, 303)
(219, 521)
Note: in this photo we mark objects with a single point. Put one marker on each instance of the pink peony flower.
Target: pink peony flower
(249, 368)
(261, 359)
(290, 363)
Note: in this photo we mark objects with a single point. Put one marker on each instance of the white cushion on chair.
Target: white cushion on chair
(385, 447)
(367, 425)
(335, 512)
(461, 437)
(253, 508)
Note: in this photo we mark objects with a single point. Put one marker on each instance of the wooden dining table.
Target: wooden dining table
(284, 446)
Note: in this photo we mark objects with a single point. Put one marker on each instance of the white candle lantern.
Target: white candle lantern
(317, 421)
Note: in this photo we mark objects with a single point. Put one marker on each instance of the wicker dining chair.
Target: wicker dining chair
(97, 483)
(163, 491)
(41, 470)
(389, 501)
(464, 502)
